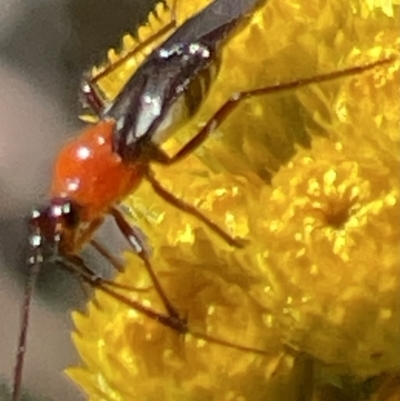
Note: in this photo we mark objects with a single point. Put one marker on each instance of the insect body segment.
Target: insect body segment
(90, 173)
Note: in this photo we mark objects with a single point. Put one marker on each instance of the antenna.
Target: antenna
(36, 262)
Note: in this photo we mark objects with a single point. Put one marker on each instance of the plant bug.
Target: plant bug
(87, 171)
(109, 159)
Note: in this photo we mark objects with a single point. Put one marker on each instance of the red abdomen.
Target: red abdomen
(89, 173)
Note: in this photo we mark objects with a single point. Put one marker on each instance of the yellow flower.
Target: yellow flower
(308, 179)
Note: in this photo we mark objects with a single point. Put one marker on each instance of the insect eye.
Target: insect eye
(48, 220)
(65, 212)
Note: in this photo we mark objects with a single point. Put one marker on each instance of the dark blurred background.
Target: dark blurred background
(44, 48)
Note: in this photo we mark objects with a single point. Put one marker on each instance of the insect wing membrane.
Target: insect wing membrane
(144, 105)
(213, 23)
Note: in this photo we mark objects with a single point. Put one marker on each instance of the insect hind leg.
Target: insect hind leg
(76, 265)
(138, 245)
(89, 91)
(223, 112)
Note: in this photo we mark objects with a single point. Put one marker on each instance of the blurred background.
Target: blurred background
(44, 48)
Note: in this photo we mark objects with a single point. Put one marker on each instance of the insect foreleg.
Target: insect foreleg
(77, 266)
(138, 245)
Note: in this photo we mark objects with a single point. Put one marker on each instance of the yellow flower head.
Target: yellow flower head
(308, 180)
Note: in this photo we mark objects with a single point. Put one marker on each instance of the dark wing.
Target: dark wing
(164, 91)
(213, 23)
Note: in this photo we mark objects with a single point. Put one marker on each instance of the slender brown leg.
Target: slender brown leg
(86, 237)
(223, 343)
(222, 113)
(172, 320)
(87, 234)
(180, 204)
(78, 262)
(219, 116)
(140, 47)
(116, 264)
(91, 94)
(137, 243)
(76, 265)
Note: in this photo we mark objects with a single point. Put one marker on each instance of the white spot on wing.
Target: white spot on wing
(173, 117)
(150, 110)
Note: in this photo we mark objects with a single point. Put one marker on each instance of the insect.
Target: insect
(110, 158)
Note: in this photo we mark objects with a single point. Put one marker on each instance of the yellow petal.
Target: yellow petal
(309, 180)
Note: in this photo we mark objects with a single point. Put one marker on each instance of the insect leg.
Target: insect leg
(86, 237)
(116, 264)
(134, 239)
(78, 262)
(86, 234)
(172, 320)
(176, 324)
(180, 204)
(77, 266)
(228, 344)
(90, 92)
(137, 243)
(222, 113)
